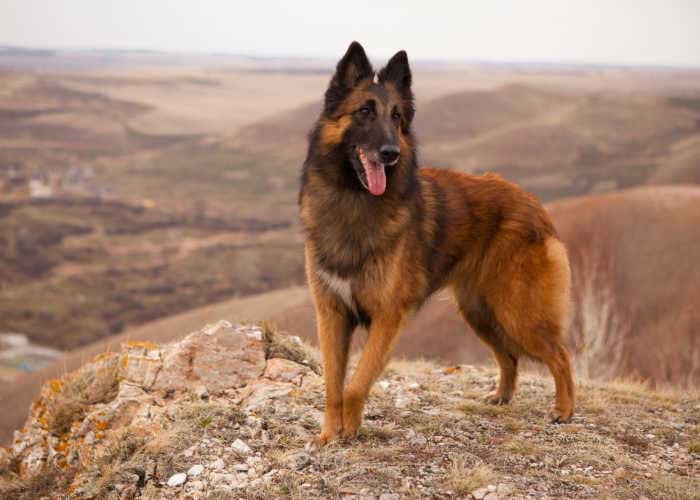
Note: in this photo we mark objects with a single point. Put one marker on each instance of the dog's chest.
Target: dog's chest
(341, 287)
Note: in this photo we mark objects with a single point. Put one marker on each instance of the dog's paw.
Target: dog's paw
(559, 417)
(319, 441)
(496, 399)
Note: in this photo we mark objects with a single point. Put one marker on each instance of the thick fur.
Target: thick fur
(374, 260)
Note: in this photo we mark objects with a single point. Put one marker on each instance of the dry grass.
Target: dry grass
(279, 345)
(40, 485)
(476, 407)
(65, 401)
(463, 479)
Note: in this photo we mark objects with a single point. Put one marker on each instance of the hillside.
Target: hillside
(134, 194)
(160, 421)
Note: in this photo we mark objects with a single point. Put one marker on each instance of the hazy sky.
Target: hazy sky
(614, 31)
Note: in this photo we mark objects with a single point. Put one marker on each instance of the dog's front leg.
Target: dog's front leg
(382, 337)
(334, 334)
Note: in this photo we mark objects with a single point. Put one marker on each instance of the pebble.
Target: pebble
(241, 467)
(217, 464)
(195, 470)
(241, 447)
(177, 479)
(480, 493)
(389, 496)
(197, 485)
(201, 391)
(384, 384)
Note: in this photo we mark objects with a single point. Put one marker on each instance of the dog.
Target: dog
(382, 235)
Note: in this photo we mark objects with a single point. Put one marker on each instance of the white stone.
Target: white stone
(384, 384)
(480, 493)
(241, 447)
(177, 479)
(491, 487)
(389, 496)
(241, 467)
(217, 464)
(195, 470)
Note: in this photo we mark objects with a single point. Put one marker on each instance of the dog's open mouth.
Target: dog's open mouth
(373, 178)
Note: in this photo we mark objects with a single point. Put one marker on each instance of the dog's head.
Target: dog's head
(367, 118)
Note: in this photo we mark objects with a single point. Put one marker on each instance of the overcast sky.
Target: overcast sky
(663, 32)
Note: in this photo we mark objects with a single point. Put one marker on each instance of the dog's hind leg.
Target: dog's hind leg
(477, 314)
(548, 348)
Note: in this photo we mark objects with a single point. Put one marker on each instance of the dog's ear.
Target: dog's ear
(351, 69)
(398, 72)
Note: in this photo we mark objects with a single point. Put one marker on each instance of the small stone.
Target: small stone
(480, 493)
(217, 464)
(201, 391)
(195, 470)
(504, 489)
(649, 436)
(384, 384)
(389, 496)
(177, 479)
(241, 447)
(241, 467)
(197, 485)
(491, 487)
(298, 460)
(414, 385)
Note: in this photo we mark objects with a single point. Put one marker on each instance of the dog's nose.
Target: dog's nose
(389, 153)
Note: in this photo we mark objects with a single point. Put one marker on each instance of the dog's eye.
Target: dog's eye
(364, 111)
(395, 115)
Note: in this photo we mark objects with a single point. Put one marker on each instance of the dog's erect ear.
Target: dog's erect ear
(398, 72)
(351, 69)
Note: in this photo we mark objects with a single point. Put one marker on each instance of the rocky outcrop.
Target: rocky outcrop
(226, 411)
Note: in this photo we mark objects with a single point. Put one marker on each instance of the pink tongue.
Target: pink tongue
(375, 178)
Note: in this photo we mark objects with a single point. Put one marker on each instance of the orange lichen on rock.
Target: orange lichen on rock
(141, 343)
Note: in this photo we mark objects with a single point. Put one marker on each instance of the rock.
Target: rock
(140, 363)
(492, 487)
(389, 496)
(480, 494)
(504, 489)
(241, 447)
(298, 460)
(218, 357)
(200, 391)
(195, 470)
(241, 467)
(384, 384)
(259, 394)
(217, 464)
(284, 370)
(177, 479)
